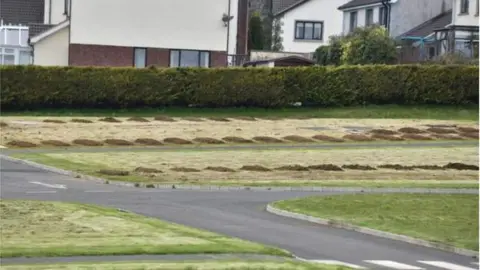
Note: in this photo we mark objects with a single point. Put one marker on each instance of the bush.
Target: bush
(32, 87)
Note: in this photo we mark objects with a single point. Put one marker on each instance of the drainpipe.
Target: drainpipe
(49, 11)
(388, 8)
(228, 29)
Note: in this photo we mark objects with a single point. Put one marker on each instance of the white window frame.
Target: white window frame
(16, 55)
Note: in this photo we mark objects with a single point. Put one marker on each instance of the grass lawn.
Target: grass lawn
(384, 111)
(205, 265)
(36, 228)
(449, 219)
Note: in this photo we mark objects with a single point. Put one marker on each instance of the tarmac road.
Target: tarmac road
(236, 213)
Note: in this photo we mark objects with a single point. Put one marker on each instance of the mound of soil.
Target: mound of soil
(23, 144)
(219, 169)
(219, 119)
(245, 118)
(147, 170)
(55, 143)
(118, 142)
(326, 138)
(299, 139)
(439, 130)
(467, 129)
(164, 118)
(193, 119)
(411, 130)
(387, 137)
(207, 140)
(266, 139)
(110, 120)
(3, 124)
(416, 137)
(137, 119)
(54, 121)
(447, 136)
(325, 167)
(148, 141)
(114, 172)
(184, 169)
(296, 167)
(79, 120)
(383, 131)
(471, 135)
(397, 167)
(358, 138)
(428, 167)
(87, 142)
(176, 141)
(359, 167)
(461, 167)
(255, 168)
(232, 139)
(441, 126)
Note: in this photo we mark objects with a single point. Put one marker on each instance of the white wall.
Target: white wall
(465, 19)
(361, 16)
(54, 10)
(314, 10)
(52, 50)
(179, 24)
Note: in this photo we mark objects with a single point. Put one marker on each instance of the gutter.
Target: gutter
(228, 29)
(388, 8)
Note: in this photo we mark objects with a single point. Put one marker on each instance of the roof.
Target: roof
(50, 31)
(291, 57)
(428, 27)
(22, 11)
(281, 6)
(358, 3)
(35, 29)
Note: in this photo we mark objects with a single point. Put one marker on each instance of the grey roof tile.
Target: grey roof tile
(428, 27)
(22, 11)
(35, 29)
(357, 3)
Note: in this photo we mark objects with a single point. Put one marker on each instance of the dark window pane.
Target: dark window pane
(299, 28)
(189, 58)
(369, 17)
(308, 30)
(317, 31)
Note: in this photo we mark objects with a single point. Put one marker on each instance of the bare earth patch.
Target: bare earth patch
(118, 142)
(55, 143)
(358, 138)
(83, 121)
(299, 139)
(266, 139)
(54, 121)
(232, 139)
(386, 137)
(147, 170)
(219, 169)
(206, 140)
(138, 119)
(176, 141)
(113, 172)
(417, 137)
(164, 118)
(327, 138)
(21, 144)
(148, 141)
(411, 130)
(110, 120)
(87, 142)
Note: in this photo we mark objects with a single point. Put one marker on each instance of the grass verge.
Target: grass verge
(36, 228)
(450, 219)
(384, 111)
(210, 265)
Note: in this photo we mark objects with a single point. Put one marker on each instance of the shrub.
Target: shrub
(33, 87)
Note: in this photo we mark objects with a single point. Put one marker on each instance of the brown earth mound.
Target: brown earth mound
(325, 167)
(359, 167)
(218, 119)
(54, 121)
(416, 137)
(327, 138)
(358, 138)
(467, 129)
(299, 139)
(148, 141)
(296, 167)
(164, 118)
(461, 166)
(441, 126)
(397, 167)
(245, 118)
(147, 170)
(79, 120)
(87, 142)
(255, 168)
(114, 172)
(184, 169)
(55, 143)
(411, 130)
(193, 119)
(207, 140)
(383, 131)
(137, 119)
(219, 169)
(118, 142)
(447, 136)
(3, 124)
(471, 135)
(387, 137)
(110, 120)
(266, 139)
(17, 143)
(439, 130)
(176, 141)
(232, 139)
(428, 167)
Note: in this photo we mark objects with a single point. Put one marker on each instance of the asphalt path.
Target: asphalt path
(235, 213)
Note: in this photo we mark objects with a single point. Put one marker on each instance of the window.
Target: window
(382, 16)
(140, 57)
(14, 56)
(188, 58)
(308, 30)
(353, 20)
(369, 17)
(464, 4)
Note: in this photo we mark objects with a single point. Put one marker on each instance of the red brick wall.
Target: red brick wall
(242, 27)
(218, 59)
(99, 55)
(158, 57)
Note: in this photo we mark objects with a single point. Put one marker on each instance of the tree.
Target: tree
(256, 36)
(277, 36)
(330, 54)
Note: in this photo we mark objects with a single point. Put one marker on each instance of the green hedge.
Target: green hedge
(30, 87)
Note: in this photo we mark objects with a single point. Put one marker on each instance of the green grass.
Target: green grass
(449, 219)
(205, 265)
(372, 111)
(36, 228)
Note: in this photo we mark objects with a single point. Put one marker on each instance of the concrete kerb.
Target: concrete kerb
(234, 188)
(377, 233)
